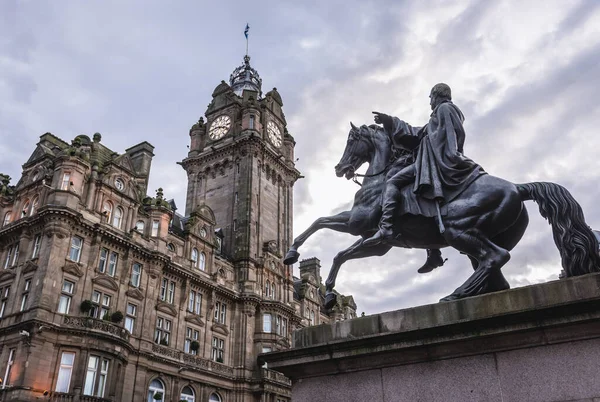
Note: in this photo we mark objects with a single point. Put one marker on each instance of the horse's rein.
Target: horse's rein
(356, 175)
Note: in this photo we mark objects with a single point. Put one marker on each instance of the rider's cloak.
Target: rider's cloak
(442, 171)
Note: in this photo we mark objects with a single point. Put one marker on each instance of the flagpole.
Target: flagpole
(246, 35)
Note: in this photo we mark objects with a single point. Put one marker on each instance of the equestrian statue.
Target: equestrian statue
(421, 191)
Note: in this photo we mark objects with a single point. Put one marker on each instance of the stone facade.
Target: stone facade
(107, 294)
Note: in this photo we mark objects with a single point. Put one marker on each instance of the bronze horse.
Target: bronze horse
(485, 222)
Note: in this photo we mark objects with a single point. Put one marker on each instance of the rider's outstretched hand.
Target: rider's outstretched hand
(382, 118)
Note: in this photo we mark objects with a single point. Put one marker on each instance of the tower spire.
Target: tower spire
(246, 35)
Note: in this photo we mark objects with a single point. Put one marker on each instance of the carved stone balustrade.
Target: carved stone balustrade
(96, 325)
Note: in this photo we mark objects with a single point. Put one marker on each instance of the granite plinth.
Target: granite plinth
(535, 343)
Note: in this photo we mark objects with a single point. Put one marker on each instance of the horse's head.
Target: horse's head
(358, 150)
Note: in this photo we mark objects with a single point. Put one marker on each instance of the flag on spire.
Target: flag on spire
(246, 30)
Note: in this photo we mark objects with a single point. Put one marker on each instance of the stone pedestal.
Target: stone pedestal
(535, 343)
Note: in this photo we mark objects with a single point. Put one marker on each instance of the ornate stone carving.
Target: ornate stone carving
(72, 268)
(164, 351)
(166, 308)
(106, 281)
(135, 293)
(95, 324)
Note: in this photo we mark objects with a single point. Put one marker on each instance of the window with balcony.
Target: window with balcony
(75, 250)
(65, 371)
(162, 333)
(220, 313)
(130, 316)
(136, 274)
(100, 304)
(191, 344)
(218, 350)
(96, 376)
(64, 302)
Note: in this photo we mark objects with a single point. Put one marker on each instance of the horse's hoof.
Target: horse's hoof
(291, 257)
(330, 300)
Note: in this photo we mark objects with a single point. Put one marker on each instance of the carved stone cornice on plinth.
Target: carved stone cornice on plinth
(166, 308)
(135, 293)
(106, 281)
(220, 328)
(194, 319)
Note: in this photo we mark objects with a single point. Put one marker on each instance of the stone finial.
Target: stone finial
(97, 137)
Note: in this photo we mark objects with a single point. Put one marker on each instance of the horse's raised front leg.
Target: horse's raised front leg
(337, 222)
(357, 250)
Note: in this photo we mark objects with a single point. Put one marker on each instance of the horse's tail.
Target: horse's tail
(575, 240)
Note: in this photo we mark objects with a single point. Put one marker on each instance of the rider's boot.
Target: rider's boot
(386, 229)
(434, 260)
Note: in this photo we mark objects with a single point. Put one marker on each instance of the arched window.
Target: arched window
(118, 217)
(202, 261)
(214, 397)
(268, 289)
(34, 206)
(155, 389)
(195, 257)
(139, 226)
(107, 208)
(273, 291)
(25, 209)
(312, 317)
(6, 220)
(187, 394)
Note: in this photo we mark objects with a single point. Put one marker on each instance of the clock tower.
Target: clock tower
(241, 165)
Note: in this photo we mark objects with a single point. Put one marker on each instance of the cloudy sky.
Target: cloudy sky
(525, 73)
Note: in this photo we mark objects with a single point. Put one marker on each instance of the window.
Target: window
(12, 256)
(112, 263)
(218, 350)
(236, 198)
(34, 206)
(202, 261)
(219, 244)
(64, 303)
(214, 397)
(6, 220)
(107, 209)
(278, 325)
(195, 257)
(191, 335)
(64, 372)
(171, 247)
(37, 242)
(130, 317)
(195, 302)
(251, 122)
(117, 217)
(284, 327)
(235, 224)
(162, 334)
(75, 251)
(140, 226)
(171, 294)
(220, 312)
(9, 364)
(312, 318)
(154, 229)
(66, 181)
(136, 274)
(267, 289)
(273, 292)
(167, 291)
(25, 209)
(266, 349)
(4, 293)
(101, 304)
(267, 323)
(25, 295)
(95, 377)
(187, 394)
(156, 391)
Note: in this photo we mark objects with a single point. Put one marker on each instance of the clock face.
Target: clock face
(274, 133)
(119, 184)
(219, 127)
